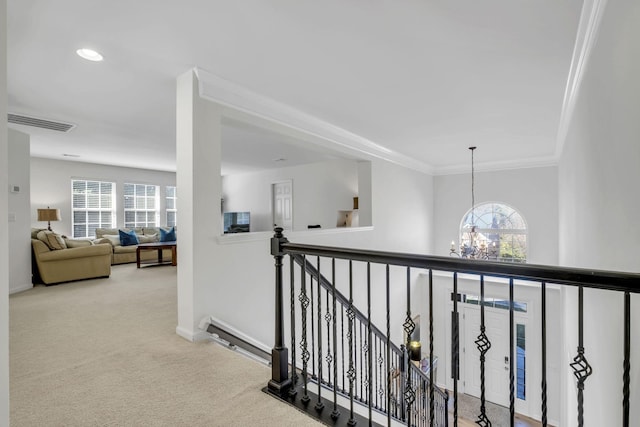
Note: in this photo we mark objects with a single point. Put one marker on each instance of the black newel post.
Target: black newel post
(280, 381)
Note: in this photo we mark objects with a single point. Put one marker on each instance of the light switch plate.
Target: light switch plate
(12, 217)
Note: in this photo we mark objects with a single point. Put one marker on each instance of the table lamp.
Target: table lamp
(49, 215)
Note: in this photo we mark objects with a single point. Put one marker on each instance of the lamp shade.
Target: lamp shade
(48, 214)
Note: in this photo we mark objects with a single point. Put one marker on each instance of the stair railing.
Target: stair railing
(359, 360)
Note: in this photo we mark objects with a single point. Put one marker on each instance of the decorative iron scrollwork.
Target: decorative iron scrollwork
(483, 344)
(581, 368)
(409, 326)
(409, 394)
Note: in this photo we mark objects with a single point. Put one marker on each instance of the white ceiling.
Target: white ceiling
(423, 78)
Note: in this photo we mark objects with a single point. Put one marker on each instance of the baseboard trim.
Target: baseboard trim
(21, 288)
(190, 336)
(227, 327)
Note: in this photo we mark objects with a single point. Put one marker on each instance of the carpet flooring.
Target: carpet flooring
(104, 353)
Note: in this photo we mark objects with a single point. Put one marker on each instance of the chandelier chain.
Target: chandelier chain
(473, 196)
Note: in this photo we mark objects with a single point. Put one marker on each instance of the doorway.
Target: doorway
(282, 204)
(497, 359)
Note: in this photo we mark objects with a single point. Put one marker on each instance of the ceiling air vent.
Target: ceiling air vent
(19, 119)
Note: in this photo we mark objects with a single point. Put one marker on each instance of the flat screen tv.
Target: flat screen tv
(236, 222)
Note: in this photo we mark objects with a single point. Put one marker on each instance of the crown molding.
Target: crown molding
(590, 19)
(536, 162)
(234, 96)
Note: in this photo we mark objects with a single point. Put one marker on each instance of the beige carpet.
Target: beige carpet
(104, 353)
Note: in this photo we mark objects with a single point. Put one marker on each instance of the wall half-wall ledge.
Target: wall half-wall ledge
(234, 238)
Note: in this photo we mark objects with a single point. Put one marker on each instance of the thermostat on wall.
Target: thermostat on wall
(14, 189)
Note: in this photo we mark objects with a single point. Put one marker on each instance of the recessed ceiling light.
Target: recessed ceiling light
(89, 54)
(71, 155)
(280, 159)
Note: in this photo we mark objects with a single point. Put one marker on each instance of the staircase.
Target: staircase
(345, 369)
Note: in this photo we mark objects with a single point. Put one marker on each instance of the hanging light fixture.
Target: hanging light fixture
(473, 245)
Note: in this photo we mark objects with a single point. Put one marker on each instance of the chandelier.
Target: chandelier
(473, 244)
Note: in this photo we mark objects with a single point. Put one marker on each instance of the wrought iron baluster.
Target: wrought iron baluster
(294, 374)
(431, 386)
(580, 366)
(512, 394)
(352, 372)
(355, 357)
(388, 348)
(626, 379)
(329, 358)
(445, 412)
(304, 303)
(313, 332)
(344, 386)
(483, 345)
(369, 349)
(362, 397)
(381, 378)
(335, 414)
(455, 350)
(319, 405)
(544, 353)
(409, 327)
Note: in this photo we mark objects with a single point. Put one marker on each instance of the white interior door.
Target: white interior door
(282, 204)
(496, 359)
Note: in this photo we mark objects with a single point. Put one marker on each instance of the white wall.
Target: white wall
(232, 277)
(533, 192)
(4, 243)
(51, 186)
(244, 297)
(599, 205)
(19, 209)
(319, 191)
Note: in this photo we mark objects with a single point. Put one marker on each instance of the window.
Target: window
(93, 206)
(494, 302)
(499, 229)
(140, 205)
(171, 203)
(521, 362)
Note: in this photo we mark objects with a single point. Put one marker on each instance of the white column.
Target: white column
(4, 248)
(198, 131)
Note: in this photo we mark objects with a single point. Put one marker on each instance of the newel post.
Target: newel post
(280, 381)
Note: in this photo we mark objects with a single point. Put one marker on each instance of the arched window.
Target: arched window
(493, 231)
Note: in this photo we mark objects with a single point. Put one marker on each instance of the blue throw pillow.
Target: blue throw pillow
(128, 238)
(168, 235)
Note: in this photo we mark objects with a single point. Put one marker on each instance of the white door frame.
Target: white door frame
(273, 209)
(530, 319)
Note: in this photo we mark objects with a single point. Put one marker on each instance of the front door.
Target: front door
(497, 358)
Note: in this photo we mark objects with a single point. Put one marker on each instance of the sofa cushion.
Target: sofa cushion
(35, 231)
(114, 239)
(168, 235)
(148, 238)
(125, 249)
(52, 240)
(147, 231)
(77, 243)
(128, 238)
(100, 232)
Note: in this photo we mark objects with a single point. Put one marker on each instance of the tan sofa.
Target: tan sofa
(73, 263)
(126, 254)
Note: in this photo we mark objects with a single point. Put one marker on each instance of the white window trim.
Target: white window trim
(74, 209)
(155, 211)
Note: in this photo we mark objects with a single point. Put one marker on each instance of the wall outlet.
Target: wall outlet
(14, 188)
(12, 217)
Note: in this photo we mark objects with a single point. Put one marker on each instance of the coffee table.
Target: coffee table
(158, 246)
